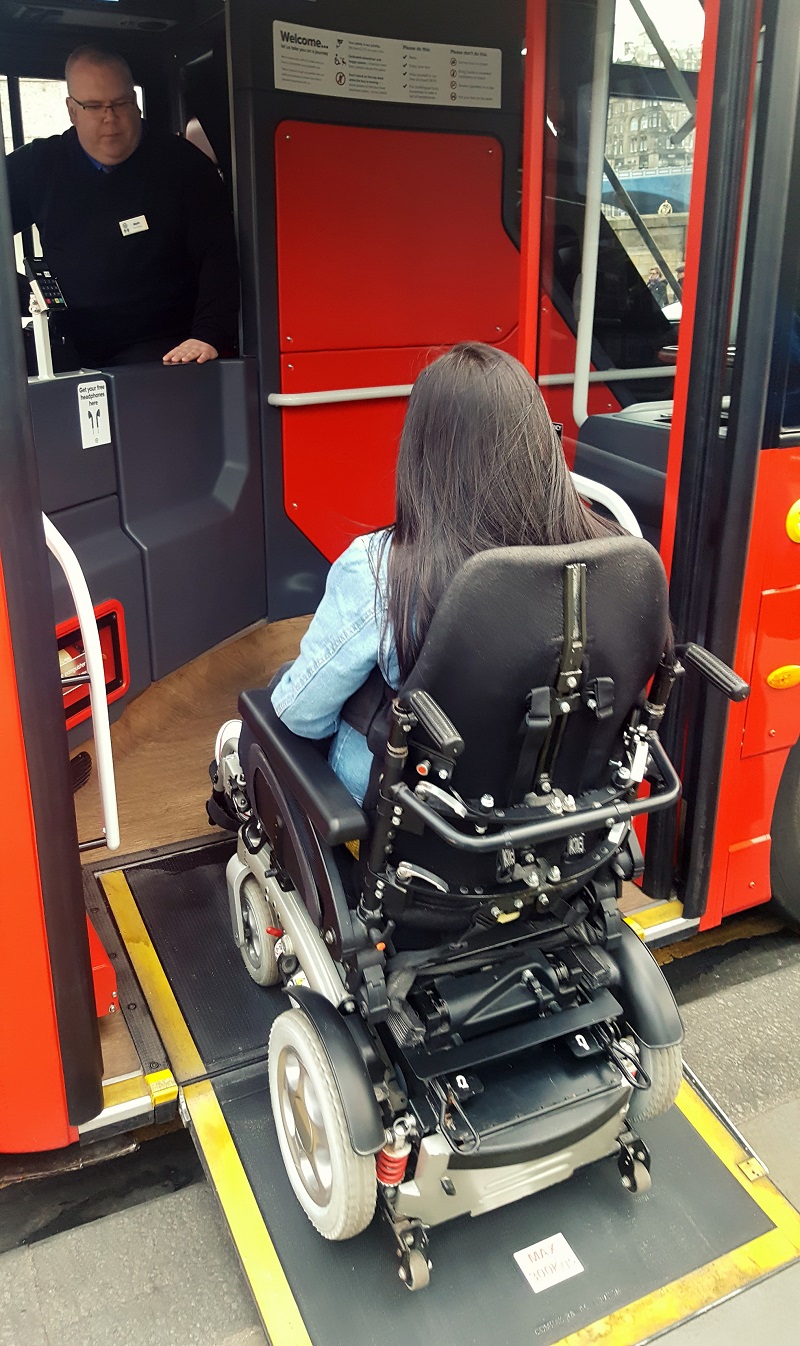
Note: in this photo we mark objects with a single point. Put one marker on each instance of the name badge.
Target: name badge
(135, 225)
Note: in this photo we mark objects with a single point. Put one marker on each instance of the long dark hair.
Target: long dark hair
(480, 466)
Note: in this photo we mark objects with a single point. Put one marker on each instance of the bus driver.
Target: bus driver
(134, 223)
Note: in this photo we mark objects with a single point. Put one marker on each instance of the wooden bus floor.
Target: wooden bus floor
(164, 740)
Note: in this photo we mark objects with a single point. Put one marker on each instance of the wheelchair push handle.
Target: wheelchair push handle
(551, 827)
(441, 731)
(715, 671)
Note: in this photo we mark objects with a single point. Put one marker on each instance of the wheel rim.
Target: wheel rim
(252, 935)
(304, 1127)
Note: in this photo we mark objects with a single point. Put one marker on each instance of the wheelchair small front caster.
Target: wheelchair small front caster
(633, 1161)
(414, 1267)
(415, 1270)
(642, 1181)
(261, 934)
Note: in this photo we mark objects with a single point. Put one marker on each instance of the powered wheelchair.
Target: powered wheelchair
(471, 1019)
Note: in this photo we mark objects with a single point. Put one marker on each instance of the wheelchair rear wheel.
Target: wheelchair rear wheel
(336, 1187)
(258, 950)
(664, 1065)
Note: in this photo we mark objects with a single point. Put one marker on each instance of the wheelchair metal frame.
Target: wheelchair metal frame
(402, 1100)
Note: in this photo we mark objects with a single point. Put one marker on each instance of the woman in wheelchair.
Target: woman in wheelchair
(480, 466)
(471, 1018)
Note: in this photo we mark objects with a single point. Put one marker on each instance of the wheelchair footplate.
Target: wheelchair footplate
(582, 1261)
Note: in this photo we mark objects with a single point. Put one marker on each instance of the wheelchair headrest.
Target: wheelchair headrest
(498, 634)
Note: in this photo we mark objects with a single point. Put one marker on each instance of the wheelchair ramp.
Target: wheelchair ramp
(602, 1266)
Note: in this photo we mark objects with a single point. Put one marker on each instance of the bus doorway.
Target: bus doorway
(732, 846)
(373, 231)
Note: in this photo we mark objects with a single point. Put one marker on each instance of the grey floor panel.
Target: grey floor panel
(734, 1000)
(628, 1246)
(163, 1273)
(765, 1312)
(775, 1136)
(183, 901)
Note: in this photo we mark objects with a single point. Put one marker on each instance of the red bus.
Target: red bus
(545, 207)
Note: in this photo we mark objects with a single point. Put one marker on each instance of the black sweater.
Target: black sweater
(176, 279)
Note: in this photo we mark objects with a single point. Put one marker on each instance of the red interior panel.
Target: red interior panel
(104, 978)
(748, 882)
(757, 781)
(33, 1107)
(391, 247)
(339, 459)
(754, 755)
(390, 238)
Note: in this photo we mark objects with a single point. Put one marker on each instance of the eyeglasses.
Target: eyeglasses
(96, 109)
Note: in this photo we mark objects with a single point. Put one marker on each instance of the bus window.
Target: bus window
(650, 141)
(791, 401)
(5, 115)
(44, 108)
(637, 188)
(782, 418)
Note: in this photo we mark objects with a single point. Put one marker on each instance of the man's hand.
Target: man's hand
(190, 350)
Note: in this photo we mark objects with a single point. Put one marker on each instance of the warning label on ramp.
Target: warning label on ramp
(384, 69)
(547, 1263)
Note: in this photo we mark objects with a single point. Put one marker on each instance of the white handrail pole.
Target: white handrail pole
(90, 637)
(611, 375)
(603, 45)
(603, 495)
(328, 396)
(41, 340)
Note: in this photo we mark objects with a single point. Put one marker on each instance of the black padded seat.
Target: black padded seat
(498, 633)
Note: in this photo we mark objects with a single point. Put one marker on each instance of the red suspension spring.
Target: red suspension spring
(390, 1165)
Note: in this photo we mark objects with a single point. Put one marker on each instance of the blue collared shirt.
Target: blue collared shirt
(347, 638)
(101, 168)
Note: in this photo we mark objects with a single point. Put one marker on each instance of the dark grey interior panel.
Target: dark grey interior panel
(112, 565)
(68, 473)
(627, 451)
(188, 461)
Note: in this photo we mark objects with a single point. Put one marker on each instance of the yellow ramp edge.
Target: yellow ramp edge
(262, 1266)
(733, 1271)
(659, 914)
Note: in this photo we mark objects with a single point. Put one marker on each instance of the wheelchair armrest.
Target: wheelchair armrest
(304, 771)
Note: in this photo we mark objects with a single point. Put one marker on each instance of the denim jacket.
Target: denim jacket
(344, 642)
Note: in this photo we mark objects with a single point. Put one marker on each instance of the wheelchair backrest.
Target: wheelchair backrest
(498, 635)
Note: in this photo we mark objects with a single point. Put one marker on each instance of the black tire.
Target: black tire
(785, 852)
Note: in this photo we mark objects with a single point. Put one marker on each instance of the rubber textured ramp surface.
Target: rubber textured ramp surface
(628, 1246)
(183, 902)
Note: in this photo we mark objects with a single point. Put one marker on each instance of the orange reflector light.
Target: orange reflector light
(788, 675)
